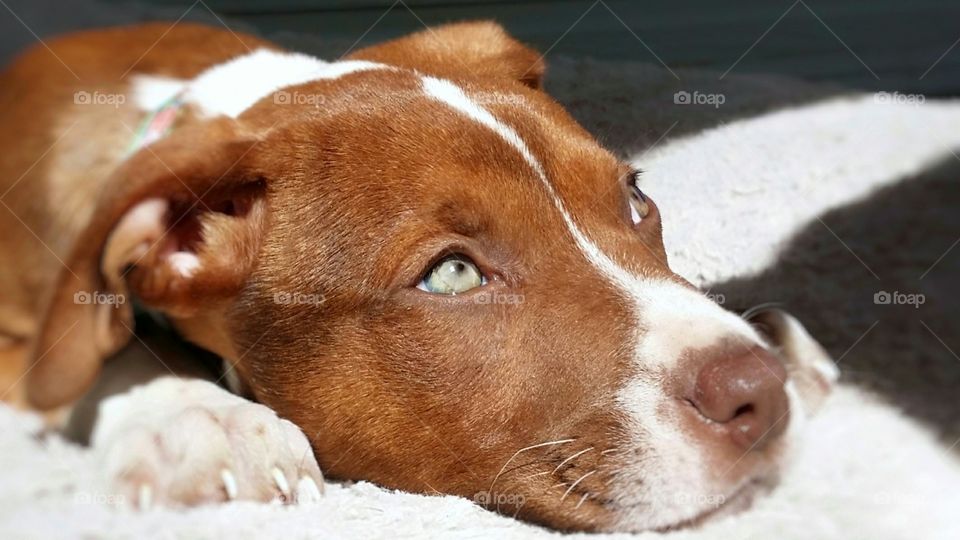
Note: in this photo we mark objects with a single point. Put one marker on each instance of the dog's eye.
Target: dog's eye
(637, 201)
(452, 275)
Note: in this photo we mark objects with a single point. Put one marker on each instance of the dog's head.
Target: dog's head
(425, 263)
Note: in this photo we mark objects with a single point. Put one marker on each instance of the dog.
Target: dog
(416, 268)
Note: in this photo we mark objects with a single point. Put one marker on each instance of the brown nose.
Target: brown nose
(744, 394)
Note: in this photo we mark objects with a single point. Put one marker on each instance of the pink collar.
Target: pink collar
(156, 124)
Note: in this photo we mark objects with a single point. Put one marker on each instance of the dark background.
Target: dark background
(866, 44)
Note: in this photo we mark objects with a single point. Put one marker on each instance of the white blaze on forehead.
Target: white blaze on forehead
(234, 86)
(455, 97)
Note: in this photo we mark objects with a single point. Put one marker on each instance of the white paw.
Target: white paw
(812, 373)
(187, 442)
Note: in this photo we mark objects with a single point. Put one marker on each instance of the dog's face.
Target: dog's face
(450, 286)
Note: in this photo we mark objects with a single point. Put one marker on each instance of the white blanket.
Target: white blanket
(732, 196)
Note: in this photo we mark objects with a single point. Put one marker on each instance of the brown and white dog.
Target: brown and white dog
(413, 254)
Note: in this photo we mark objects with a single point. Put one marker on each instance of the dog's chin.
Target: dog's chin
(738, 501)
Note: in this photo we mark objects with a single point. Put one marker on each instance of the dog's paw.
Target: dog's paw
(182, 442)
(812, 373)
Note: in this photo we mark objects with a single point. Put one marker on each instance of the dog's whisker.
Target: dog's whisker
(574, 456)
(522, 450)
(534, 475)
(582, 499)
(573, 485)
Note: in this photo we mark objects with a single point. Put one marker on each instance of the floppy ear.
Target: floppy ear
(481, 48)
(178, 228)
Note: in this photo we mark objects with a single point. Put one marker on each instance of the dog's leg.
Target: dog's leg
(13, 355)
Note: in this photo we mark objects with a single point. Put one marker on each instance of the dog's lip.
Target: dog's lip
(739, 500)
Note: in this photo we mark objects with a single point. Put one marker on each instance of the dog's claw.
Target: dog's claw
(307, 491)
(281, 482)
(229, 484)
(145, 497)
(234, 449)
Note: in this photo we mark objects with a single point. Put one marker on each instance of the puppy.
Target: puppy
(413, 254)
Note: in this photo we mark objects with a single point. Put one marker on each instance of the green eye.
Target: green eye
(452, 275)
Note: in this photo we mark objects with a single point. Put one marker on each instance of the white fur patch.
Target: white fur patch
(151, 92)
(186, 264)
(234, 86)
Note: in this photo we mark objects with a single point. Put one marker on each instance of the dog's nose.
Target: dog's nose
(744, 394)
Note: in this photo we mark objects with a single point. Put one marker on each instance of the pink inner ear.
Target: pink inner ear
(158, 231)
(130, 240)
(144, 235)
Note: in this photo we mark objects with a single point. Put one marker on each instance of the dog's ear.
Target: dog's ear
(178, 228)
(482, 49)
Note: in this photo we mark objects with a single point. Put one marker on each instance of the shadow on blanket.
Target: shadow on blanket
(905, 237)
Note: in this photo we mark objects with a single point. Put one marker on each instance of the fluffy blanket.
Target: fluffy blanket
(819, 204)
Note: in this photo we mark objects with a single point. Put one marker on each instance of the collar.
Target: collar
(156, 124)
